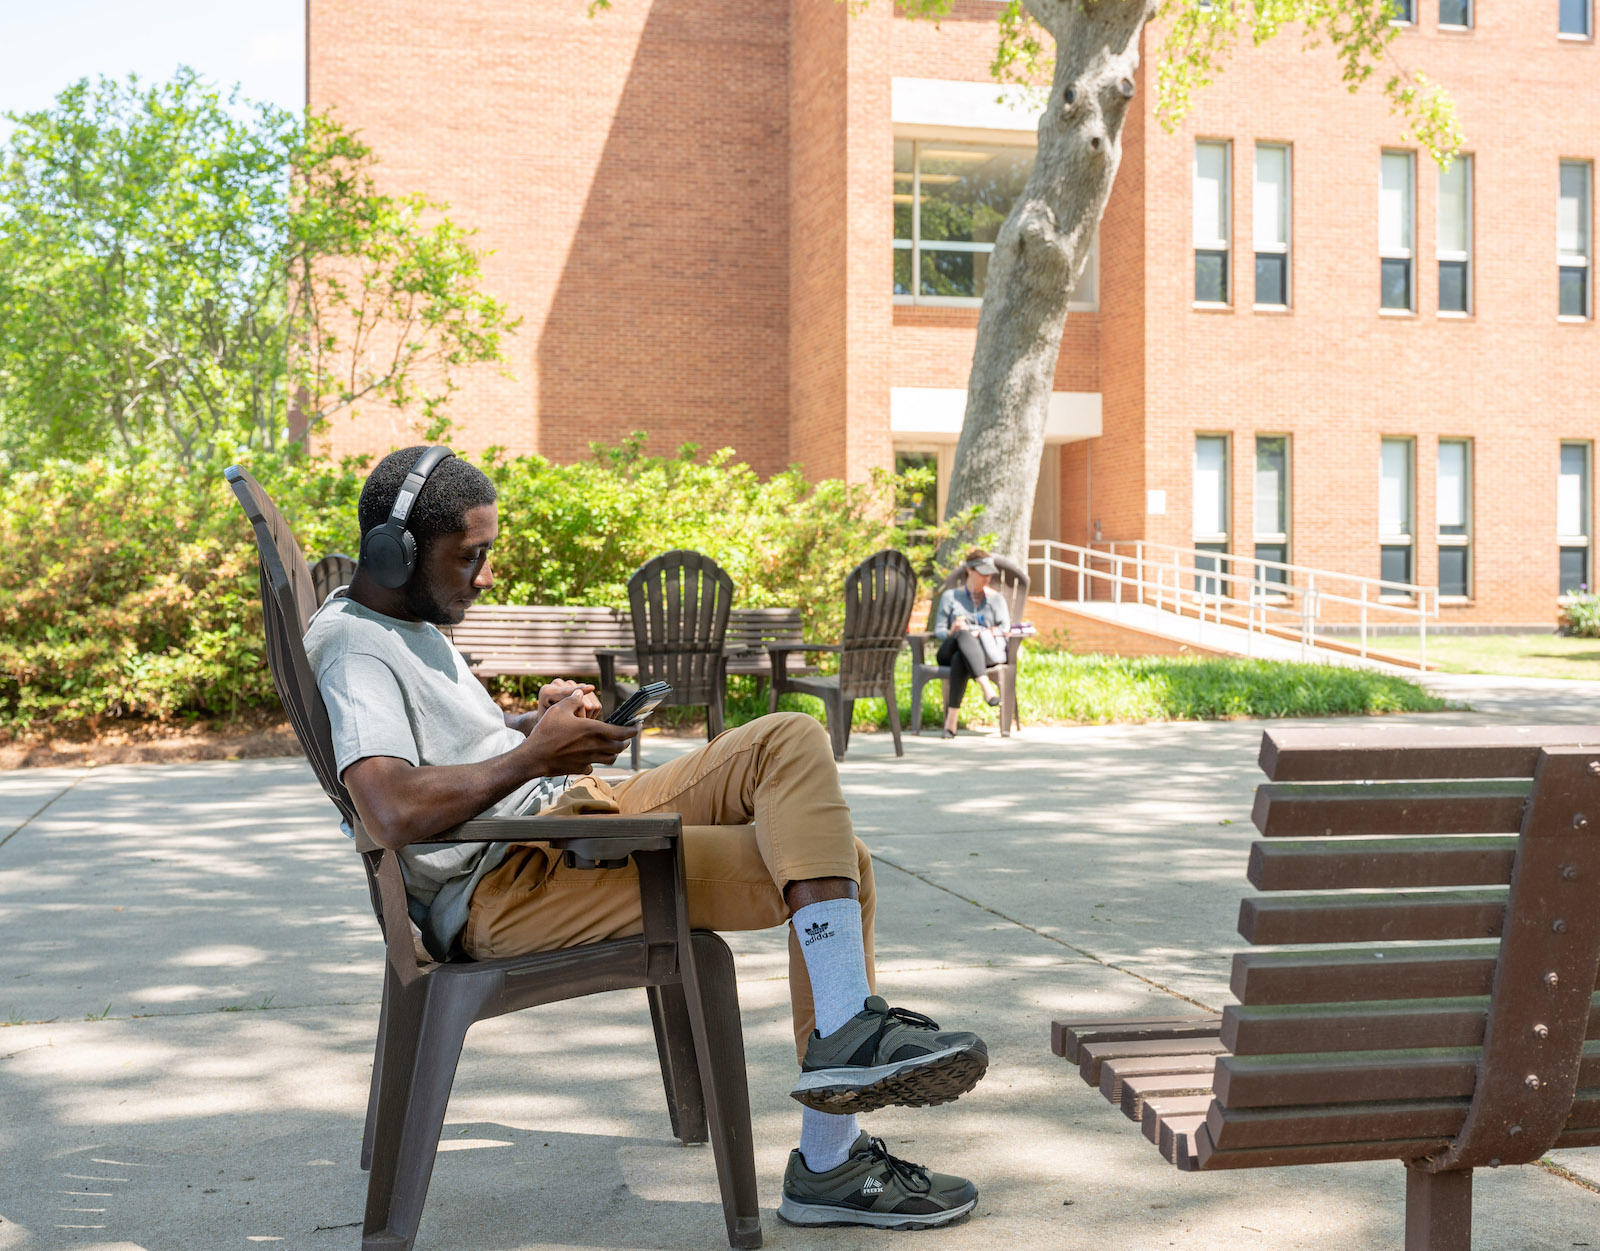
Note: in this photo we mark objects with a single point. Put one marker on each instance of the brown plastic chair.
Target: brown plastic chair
(428, 1006)
(679, 604)
(1012, 581)
(878, 597)
(330, 573)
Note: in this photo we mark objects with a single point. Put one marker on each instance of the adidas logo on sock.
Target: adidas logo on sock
(816, 931)
(872, 1186)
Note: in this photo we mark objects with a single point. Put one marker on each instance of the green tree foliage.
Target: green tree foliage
(129, 587)
(189, 275)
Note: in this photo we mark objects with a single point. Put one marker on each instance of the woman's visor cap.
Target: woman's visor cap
(984, 566)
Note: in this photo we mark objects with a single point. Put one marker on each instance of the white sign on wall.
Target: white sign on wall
(1156, 503)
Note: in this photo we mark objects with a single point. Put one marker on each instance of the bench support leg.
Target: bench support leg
(1438, 1210)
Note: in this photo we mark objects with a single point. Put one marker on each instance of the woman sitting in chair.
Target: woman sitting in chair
(971, 628)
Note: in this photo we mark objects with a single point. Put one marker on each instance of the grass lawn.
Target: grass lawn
(1060, 687)
(1516, 655)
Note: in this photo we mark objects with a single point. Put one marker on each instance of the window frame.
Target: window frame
(1408, 253)
(1286, 208)
(1274, 538)
(1408, 539)
(1442, 257)
(1573, 260)
(1472, 17)
(1584, 541)
(914, 244)
(1410, 19)
(1224, 245)
(1464, 539)
(1587, 34)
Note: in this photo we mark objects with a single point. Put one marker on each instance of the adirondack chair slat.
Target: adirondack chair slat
(1447, 860)
(1294, 810)
(1358, 974)
(1396, 752)
(1394, 916)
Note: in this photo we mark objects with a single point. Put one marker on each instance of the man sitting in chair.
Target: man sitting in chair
(767, 839)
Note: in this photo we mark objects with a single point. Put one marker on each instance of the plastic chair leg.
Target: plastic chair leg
(845, 723)
(714, 1000)
(421, 1049)
(916, 701)
(714, 718)
(370, 1133)
(680, 1070)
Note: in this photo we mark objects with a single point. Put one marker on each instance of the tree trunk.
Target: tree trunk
(1038, 255)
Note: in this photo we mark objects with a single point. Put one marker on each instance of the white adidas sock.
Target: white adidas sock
(826, 1139)
(830, 941)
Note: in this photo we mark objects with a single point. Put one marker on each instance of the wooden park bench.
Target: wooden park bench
(1437, 889)
(560, 640)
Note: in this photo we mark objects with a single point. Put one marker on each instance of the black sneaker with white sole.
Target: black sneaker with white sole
(884, 1056)
(873, 1188)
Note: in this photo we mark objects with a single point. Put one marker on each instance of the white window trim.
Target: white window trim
(1472, 19)
(917, 135)
(1577, 260)
(1286, 248)
(1227, 488)
(1458, 540)
(1586, 506)
(1223, 245)
(1470, 225)
(1408, 254)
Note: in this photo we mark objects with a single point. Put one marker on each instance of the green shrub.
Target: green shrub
(1583, 615)
(131, 589)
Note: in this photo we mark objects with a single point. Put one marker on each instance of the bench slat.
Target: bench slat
(1360, 1076)
(1271, 920)
(1209, 1159)
(1365, 864)
(1294, 810)
(1348, 1122)
(1093, 1054)
(1340, 974)
(1176, 1139)
(1158, 1104)
(1066, 1037)
(1200, 1065)
(1392, 752)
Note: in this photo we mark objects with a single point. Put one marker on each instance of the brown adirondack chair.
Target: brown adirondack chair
(330, 573)
(429, 1005)
(1012, 582)
(878, 597)
(679, 605)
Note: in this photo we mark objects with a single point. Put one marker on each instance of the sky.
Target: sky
(49, 44)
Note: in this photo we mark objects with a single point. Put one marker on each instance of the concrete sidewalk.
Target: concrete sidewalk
(197, 941)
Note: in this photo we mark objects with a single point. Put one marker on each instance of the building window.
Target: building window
(1402, 12)
(950, 200)
(1456, 13)
(1210, 507)
(1572, 517)
(1574, 18)
(1396, 219)
(918, 507)
(1211, 222)
(1454, 239)
(1454, 502)
(1572, 239)
(1271, 203)
(1272, 507)
(1395, 510)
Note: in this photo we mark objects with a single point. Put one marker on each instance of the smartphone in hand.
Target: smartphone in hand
(640, 704)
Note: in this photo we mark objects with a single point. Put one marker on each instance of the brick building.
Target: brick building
(1298, 339)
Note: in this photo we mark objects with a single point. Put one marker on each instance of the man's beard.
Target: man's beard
(422, 601)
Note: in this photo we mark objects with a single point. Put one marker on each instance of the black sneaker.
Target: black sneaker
(885, 1055)
(873, 1188)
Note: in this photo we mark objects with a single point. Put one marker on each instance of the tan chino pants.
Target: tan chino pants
(761, 808)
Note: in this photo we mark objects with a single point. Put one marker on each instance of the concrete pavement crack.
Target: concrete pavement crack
(1010, 920)
(41, 808)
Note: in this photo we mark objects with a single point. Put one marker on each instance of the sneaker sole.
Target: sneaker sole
(795, 1212)
(924, 1082)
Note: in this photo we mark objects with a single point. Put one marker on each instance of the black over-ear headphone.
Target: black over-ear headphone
(389, 551)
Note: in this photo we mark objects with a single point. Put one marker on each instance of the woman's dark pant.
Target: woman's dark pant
(964, 654)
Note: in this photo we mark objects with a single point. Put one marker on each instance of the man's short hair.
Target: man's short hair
(451, 489)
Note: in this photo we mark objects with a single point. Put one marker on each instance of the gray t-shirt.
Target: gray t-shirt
(400, 688)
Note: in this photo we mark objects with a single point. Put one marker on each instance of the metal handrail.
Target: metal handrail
(1157, 573)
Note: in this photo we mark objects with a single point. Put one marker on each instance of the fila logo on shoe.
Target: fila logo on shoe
(816, 932)
(872, 1186)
